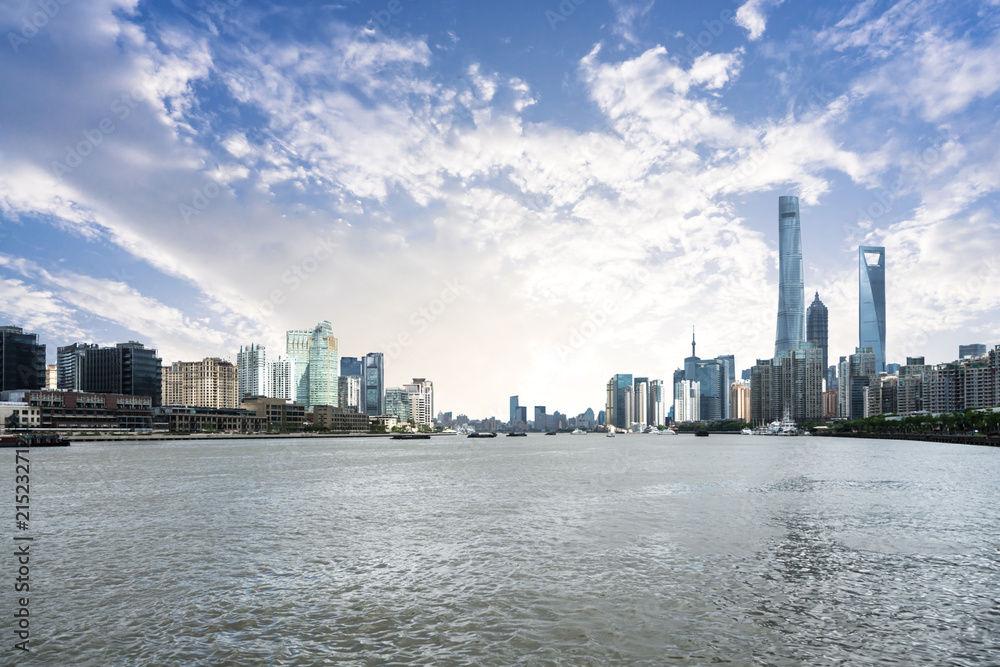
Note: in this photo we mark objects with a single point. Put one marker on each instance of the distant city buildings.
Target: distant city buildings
(789, 385)
(856, 373)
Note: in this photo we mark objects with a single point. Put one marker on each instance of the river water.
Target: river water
(580, 550)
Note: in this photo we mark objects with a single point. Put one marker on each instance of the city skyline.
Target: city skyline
(506, 202)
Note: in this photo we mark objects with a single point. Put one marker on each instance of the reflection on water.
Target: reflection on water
(547, 550)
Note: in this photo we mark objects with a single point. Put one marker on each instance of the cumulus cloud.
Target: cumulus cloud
(751, 15)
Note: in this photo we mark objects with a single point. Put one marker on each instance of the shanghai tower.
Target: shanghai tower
(791, 286)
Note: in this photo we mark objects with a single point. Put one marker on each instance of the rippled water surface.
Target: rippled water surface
(578, 550)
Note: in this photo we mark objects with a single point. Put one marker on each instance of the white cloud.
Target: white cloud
(751, 16)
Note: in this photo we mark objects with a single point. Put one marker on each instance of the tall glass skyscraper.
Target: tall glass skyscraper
(791, 285)
(373, 384)
(324, 367)
(871, 302)
(818, 328)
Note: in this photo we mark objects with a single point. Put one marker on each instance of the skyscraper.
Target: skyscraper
(351, 366)
(251, 366)
(297, 349)
(324, 367)
(619, 403)
(22, 360)
(871, 302)
(818, 327)
(373, 384)
(791, 285)
(513, 409)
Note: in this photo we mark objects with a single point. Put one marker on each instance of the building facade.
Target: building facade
(397, 404)
(127, 368)
(972, 350)
(739, 401)
(373, 384)
(83, 410)
(209, 383)
(420, 393)
(276, 411)
(687, 401)
(349, 392)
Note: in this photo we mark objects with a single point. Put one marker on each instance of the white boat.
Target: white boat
(668, 431)
(747, 431)
(610, 433)
(577, 431)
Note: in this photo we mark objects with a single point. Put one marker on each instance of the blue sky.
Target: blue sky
(506, 198)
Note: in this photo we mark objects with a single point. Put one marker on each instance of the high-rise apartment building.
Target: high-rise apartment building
(657, 410)
(790, 384)
(209, 383)
(818, 327)
(686, 401)
(373, 384)
(51, 377)
(281, 379)
(791, 282)
(349, 392)
(513, 408)
(420, 393)
(22, 360)
(251, 368)
(871, 302)
(739, 401)
(640, 404)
